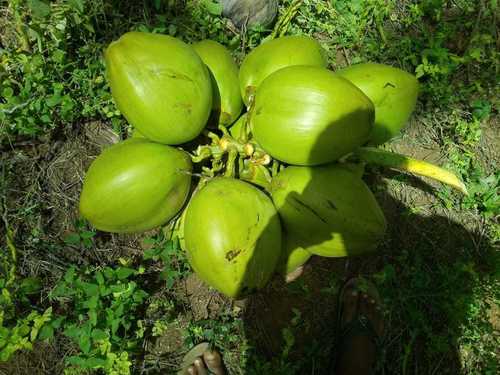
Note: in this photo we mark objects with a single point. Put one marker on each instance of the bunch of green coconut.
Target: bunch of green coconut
(254, 168)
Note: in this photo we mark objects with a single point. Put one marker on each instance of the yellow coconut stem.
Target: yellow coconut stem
(388, 159)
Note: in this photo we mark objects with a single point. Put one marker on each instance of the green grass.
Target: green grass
(437, 271)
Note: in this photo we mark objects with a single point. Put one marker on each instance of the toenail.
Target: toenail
(198, 362)
(354, 293)
(372, 301)
(365, 296)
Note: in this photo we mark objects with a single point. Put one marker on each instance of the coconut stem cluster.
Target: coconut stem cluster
(230, 156)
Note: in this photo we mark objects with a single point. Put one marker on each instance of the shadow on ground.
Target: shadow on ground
(426, 271)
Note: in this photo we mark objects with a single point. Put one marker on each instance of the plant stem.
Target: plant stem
(256, 174)
(282, 25)
(23, 38)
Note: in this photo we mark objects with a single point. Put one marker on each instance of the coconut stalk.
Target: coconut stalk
(371, 155)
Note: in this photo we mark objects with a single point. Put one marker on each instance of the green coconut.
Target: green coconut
(227, 102)
(274, 55)
(307, 115)
(134, 186)
(137, 134)
(329, 210)
(232, 234)
(393, 92)
(160, 85)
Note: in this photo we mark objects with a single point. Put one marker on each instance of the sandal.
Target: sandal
(360, 325)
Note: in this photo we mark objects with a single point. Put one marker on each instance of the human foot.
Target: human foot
(360, 325)
(294, 275)
(201, 360)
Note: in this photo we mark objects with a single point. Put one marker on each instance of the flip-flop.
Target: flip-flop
(360, 325)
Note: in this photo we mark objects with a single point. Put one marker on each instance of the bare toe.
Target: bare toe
(294, 275)
(378, 320)
(191, 371)
(365, 308)
(358, 353)
(200, 366)
(350, 305)
(214, 362)
(369, 307)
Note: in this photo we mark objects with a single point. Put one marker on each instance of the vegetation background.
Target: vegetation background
(77, 301)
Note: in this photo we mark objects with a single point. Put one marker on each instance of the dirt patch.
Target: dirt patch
(204, 302)
(490, 145)
(66, 170)
(44, 359)
(305, 308)
(43, 185)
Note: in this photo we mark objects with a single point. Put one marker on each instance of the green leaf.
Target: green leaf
(165, 254)
(99, 334)
(84, 343)
(47, 332)
(30, 285)
(53, 100)
(151, 253)
(139, 296)
(118, 289)
(114, 326)
(39, 8)
(87, 234)
(70, 274)
(108, 273)
(62, 291)
(38, 322)
(481, 109)
(213, 7)
(99, 278)
(124, 272)
(75, 361)
(103, 291)
(7, 92)
(58, 56)
(76, 4)
(72, 239)
(92, 317)
(90, 289)
(57, 322)
(73, 331)
(94, 363)
(87, 243)
(119, 310)
(91, 303)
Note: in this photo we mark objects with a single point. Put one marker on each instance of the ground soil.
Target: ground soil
(52, 172)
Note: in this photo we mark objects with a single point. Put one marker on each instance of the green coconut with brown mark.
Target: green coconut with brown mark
(161, 86)
(232, 235)
(393, 92)
(274, 55)
(329, 210)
